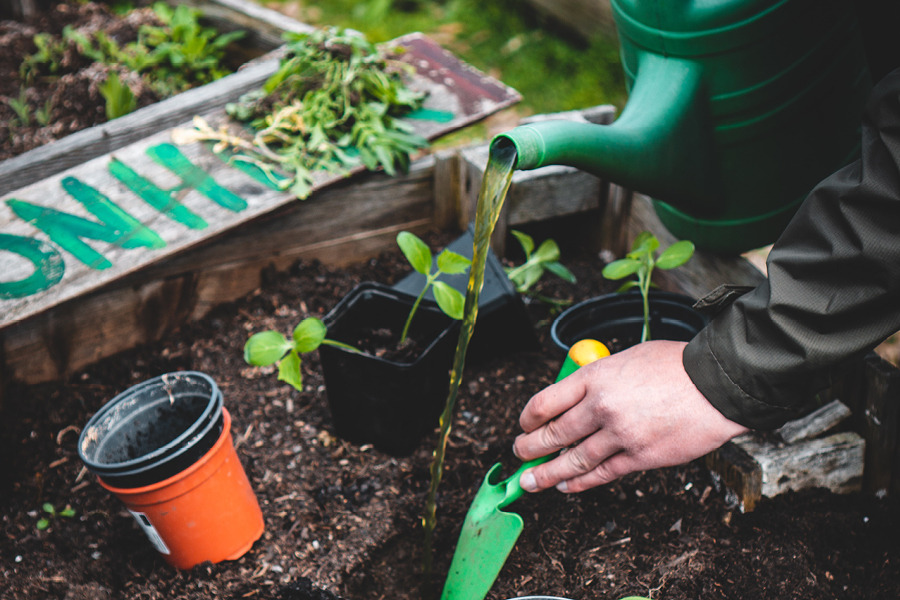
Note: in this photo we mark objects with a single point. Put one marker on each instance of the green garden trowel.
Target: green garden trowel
(489, 533)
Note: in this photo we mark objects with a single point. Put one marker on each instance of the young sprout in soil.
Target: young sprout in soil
(417, 252)
(269, 347)
(120, 100)
(537, 263)
(44, 522)
(641, 261)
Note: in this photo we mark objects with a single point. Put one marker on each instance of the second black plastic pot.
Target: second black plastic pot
(617, 320)
(389, 404)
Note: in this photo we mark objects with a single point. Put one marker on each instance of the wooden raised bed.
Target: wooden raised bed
(91, 298)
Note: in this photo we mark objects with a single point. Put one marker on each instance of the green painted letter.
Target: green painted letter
(48, 266)
(171, 158)
(115, 227)
(162, 200)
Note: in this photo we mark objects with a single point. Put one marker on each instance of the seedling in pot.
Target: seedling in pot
(449, 300)
(537, 263)
(269, 347)
(641, 261)
(52, 514)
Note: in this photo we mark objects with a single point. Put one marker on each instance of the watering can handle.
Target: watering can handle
(573, 361)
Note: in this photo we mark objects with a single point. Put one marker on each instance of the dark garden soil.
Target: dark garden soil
(344, 519)
(64, 97)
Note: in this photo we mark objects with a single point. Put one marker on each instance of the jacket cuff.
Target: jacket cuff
(709, 375)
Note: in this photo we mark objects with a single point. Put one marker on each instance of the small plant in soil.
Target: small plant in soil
(334, 103)
(51, 514)
(537, 263)
(269, 347)
(641, 261)
(67, 76)
(419, 255)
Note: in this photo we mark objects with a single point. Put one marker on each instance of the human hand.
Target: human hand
(632, 411)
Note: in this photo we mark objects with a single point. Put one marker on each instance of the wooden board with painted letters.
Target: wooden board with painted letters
(152, 202)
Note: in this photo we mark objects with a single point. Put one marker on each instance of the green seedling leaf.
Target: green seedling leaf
(416, 251)
(452, 263)
(289, 371)
(42, 524)
(120, 100)
(675, 255)
(621, 268)
(450, 300)
(68, 511)
(525, 241)
(309, 334)
(528, 276)
(266, 348)
(561, 271)
(48, 508)
(644, 242)
(548, 251)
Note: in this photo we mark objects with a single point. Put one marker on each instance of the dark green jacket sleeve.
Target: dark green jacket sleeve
(832, 293)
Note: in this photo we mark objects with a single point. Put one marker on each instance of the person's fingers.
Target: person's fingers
(577, 423)
(606, 472)
(552, 401)
(571, 464)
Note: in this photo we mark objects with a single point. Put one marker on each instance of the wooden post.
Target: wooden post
(755, 465)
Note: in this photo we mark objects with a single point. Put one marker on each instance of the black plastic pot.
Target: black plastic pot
(389, 404)
(617, 320)
(153, 430)
(503, 324)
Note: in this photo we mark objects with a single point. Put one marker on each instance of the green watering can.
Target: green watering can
(736, 110)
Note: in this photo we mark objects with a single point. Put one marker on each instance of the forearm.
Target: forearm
(833, 288)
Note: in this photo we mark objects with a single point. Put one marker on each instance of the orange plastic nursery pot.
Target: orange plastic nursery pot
(208, 512)
(164, 448)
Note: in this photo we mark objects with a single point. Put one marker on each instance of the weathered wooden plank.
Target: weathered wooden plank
(814, 423)
(342, 224)
(215, 193)
(739, 472)
(793, 458)
(834, 462)
(881, 415)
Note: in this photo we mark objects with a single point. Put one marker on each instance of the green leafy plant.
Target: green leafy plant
(537, 262)
(334, 103)
(176, 55)
(119, 98)
(49, 53)
(51, 514)
(269, 347)
(641, 261)
(21, 107)
(419, 255)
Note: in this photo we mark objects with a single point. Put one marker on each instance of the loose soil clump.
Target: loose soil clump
(343, 520)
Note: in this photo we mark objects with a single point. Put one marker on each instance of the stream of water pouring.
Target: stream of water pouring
(497, 177)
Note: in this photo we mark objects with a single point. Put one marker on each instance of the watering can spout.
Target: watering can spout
(660, 145)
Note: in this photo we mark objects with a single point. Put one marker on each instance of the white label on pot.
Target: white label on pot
(152, 533)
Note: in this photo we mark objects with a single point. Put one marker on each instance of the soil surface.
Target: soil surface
(343, 520)
(63, 97)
